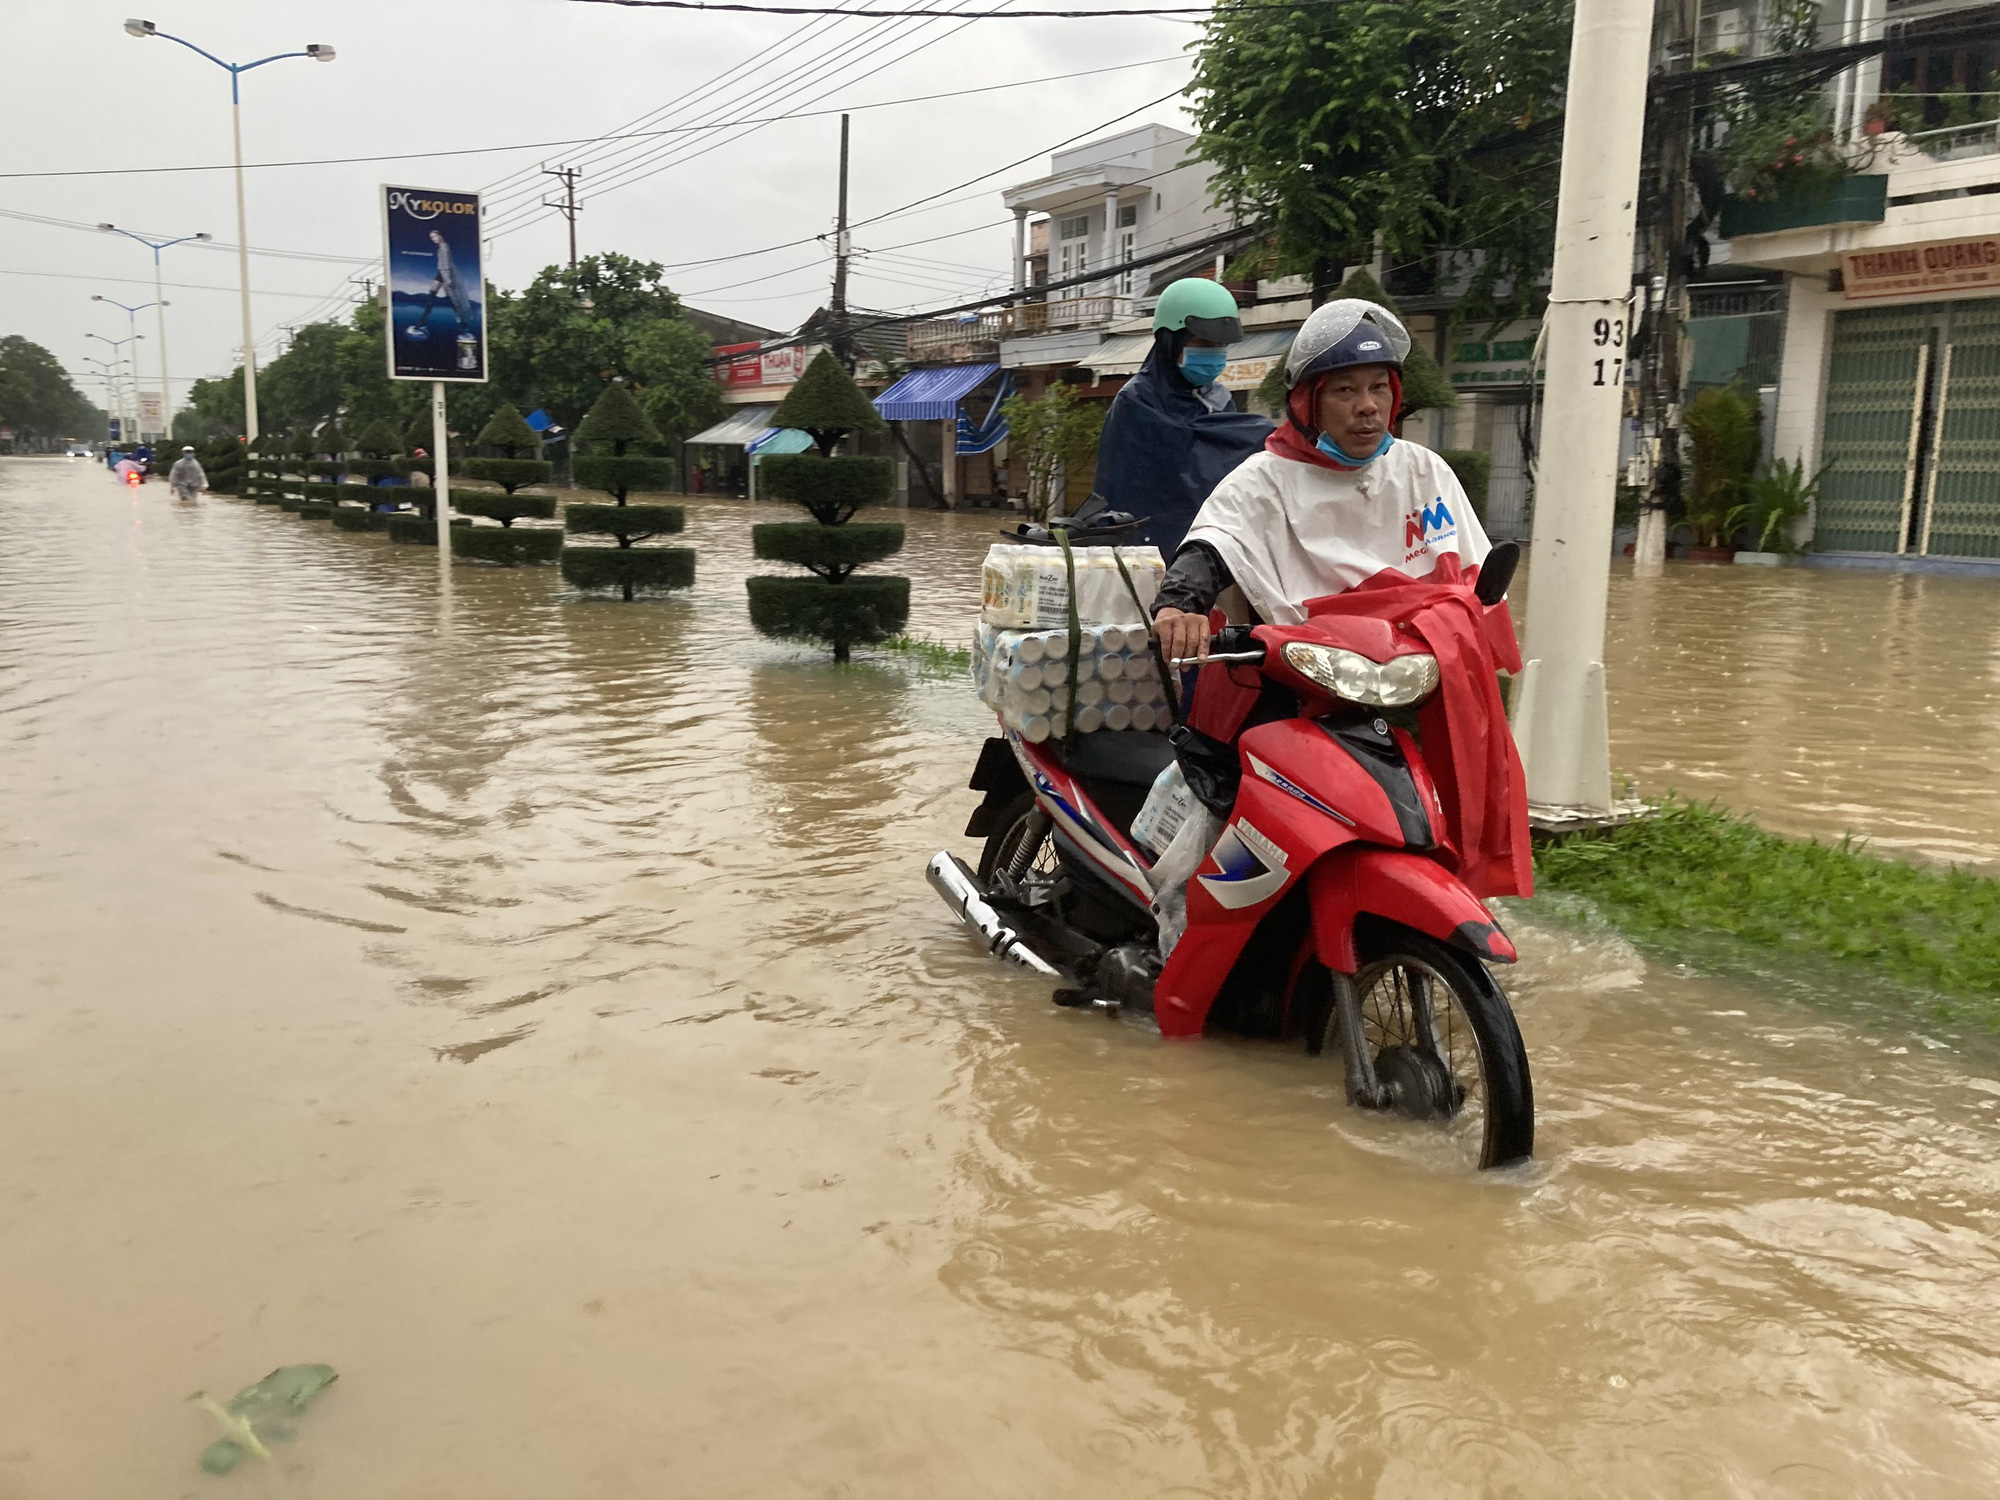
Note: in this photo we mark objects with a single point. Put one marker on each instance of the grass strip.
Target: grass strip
(940, 655)
(1695, 868)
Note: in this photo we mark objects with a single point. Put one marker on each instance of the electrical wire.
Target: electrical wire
(343, 161)
(741, 7)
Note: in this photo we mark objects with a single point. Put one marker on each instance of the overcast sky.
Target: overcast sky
(412, 76)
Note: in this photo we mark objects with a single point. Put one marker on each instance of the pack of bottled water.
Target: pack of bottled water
(1024, 676)
(1027, 588)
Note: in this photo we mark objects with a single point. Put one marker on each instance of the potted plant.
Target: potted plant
(1721, 425)
(1780, 495)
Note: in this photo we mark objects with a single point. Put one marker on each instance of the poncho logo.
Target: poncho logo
(1434, 523)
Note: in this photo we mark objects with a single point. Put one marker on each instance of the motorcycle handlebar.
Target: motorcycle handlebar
(1232, 643)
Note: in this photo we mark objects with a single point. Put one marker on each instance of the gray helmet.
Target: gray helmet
(1348, 332)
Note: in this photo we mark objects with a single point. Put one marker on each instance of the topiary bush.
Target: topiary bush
(359, 518)
(617, 423)
(378, 446)
(223, 462)
(505, 546)
(511, 434)
(833, 606)
(421, 433)
(414, 529)
(327, 460)
(315, 510)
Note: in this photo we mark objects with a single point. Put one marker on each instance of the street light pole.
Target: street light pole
(118, 348)
(132, 323)
(159, 302)
(318, 52)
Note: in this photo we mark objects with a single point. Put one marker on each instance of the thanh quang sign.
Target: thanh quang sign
(1950, 266)
(437, 289)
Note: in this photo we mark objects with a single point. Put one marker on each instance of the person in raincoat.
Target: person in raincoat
(1173, 433)
(187, 476)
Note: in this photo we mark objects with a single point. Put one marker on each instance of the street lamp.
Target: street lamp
(132, 321)
(120, 357)
(156, 246)
(318, 52)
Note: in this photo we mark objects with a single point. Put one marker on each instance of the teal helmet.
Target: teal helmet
(1197, 307)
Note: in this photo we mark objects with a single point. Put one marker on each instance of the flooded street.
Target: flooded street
(534, 1008)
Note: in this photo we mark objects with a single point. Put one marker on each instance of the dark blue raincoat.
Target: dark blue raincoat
(1164, 449)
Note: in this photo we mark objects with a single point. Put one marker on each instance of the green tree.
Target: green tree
(1416, 122)
(612, 319)
(1053, 435)
(832, 605)
(38, 399)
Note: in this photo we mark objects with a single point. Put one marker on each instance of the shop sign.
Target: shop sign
(1248, 374)
(753, 364)
(1907, 270)
(1500, 360)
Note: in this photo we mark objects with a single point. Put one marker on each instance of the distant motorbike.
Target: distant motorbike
(1328, 910)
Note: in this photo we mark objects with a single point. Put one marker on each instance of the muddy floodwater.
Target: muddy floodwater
(533, 1007)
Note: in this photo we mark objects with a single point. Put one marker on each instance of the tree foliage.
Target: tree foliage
(827, 404)
(1417, 122)
(1054, 434)
(38, 399)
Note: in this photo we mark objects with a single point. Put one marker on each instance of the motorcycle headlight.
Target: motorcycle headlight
(1376, 684)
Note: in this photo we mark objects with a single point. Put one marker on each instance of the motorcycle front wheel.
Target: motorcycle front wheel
(1445, 1045)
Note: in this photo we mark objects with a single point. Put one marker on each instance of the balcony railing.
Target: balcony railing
(939, 338)
(1860, 199)
(1956, 142)
(1062, 313)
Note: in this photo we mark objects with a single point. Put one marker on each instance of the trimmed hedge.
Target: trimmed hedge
(319, 490)
(509, 473)
(853, 612)
(372, 468)
(417, 531)
(621, 474)
(315, 510)
(507, 547)
(359, 518)
(629, 523)
(831, 488)
(629, 569)
(409, 466)
(506, 509)
(830, 551)
(290, 503)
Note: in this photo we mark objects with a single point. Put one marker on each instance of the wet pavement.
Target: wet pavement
(532, 1006)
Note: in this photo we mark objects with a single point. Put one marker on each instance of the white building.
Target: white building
(1890, 284)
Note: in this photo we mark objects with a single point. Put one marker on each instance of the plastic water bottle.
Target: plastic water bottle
(1035, 728)
(1088, 693)
(1111, 668)
(1120, 691)
(1143, 716)
(1089, 720)
(1117, 716)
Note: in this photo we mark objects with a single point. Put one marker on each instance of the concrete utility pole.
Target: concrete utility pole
(843, 348)
(1660, 390)
(1559, 714)
(568, 207)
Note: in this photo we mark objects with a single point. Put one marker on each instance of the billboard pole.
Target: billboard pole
(1559, 712)
(440, 470)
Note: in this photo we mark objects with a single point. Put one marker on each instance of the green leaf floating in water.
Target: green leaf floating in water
(257, 1412)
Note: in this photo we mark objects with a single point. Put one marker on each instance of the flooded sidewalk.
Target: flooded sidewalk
(533, 1008)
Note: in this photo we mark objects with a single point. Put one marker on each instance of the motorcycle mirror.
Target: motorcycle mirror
(1497, 573)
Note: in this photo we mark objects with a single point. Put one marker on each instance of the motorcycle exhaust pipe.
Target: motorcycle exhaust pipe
(956, 884)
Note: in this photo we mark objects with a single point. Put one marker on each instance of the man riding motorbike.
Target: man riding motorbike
(1173, 433)
(1335, 502)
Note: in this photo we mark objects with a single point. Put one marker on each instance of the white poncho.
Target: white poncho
(1290, 531)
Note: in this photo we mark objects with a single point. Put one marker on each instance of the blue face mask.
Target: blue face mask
(1203, 367)
(1339, 455)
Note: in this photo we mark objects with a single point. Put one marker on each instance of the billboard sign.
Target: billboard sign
(437, 289)
(753, 364)
(151, 418)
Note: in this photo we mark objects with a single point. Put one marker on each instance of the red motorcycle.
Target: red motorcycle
(1334, 906)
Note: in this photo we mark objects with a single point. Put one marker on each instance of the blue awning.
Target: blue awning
(989, 432)
(780, 440)
(932, 395)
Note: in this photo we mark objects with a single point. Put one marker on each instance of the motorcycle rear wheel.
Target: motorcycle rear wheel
(1446, 1045)
(1020, 821)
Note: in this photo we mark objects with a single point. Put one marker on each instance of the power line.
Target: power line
(342, 161)
(983, 15)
